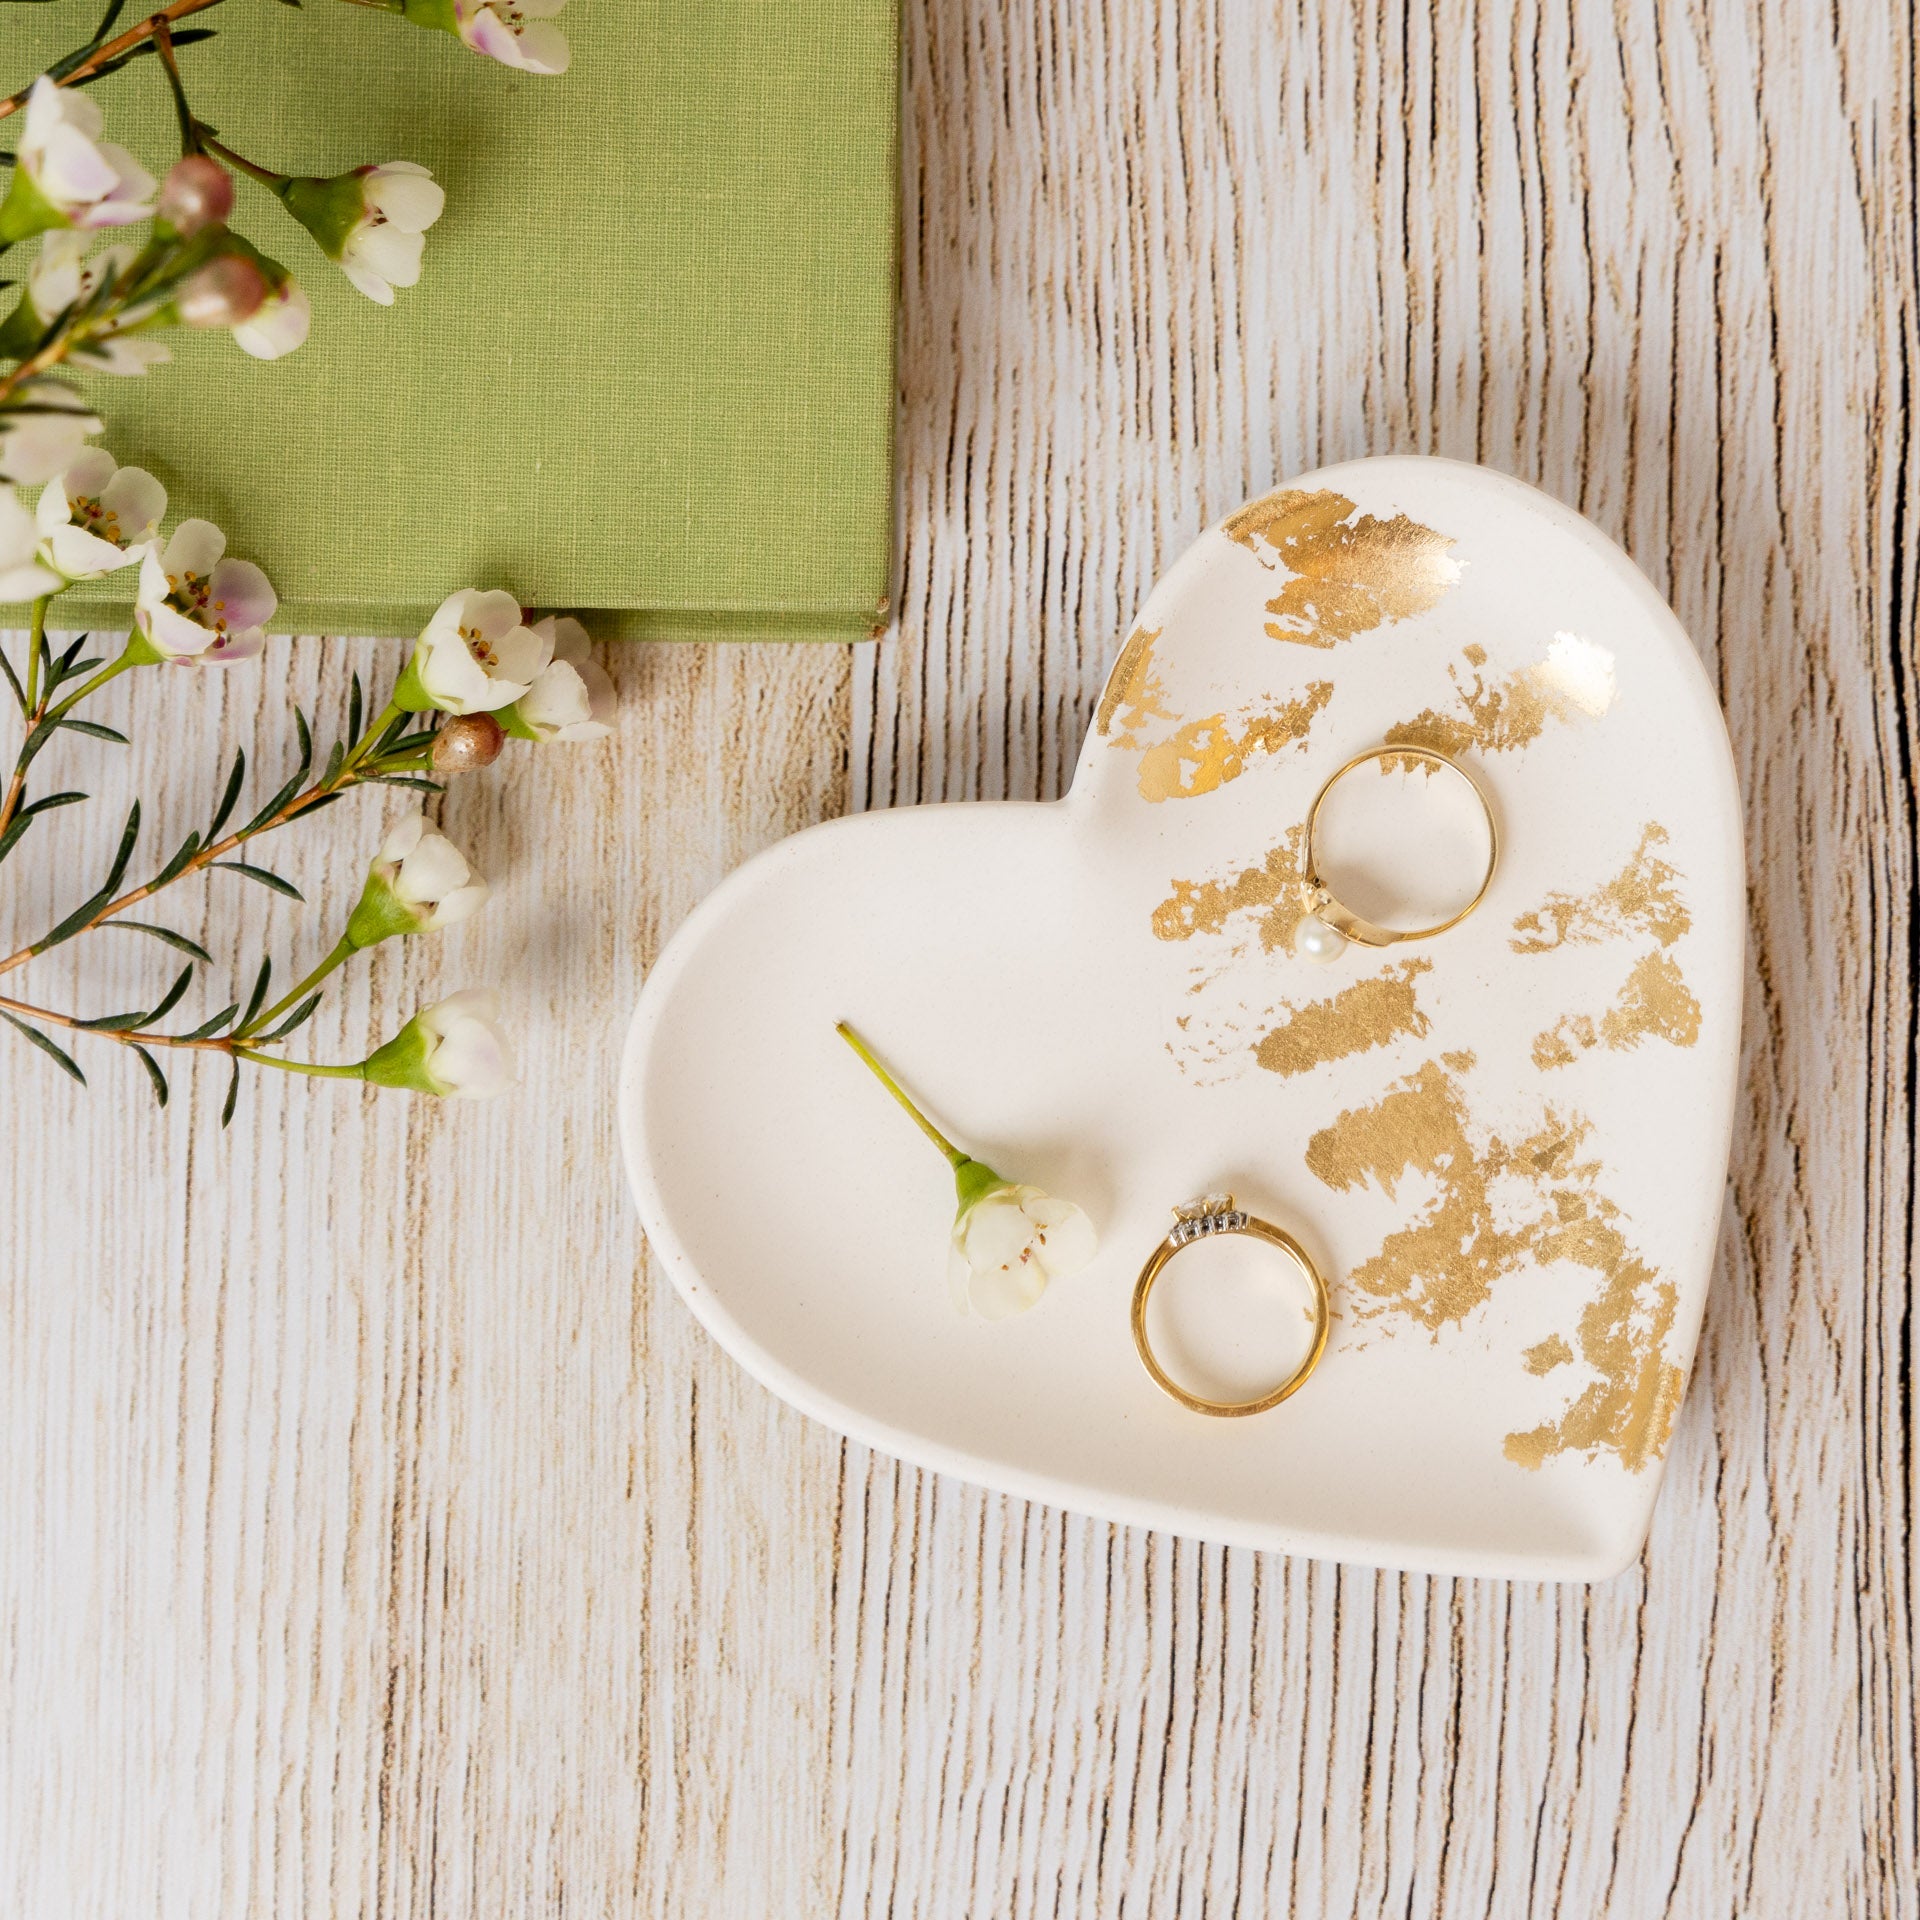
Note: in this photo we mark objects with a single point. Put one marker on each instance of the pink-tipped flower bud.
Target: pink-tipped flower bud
(223, 293)
(197, 194)
(467, 741)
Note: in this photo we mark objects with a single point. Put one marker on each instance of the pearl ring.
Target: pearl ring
(1324, 934)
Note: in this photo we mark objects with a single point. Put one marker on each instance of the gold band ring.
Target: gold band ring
(1322, 905)
(1218, 1214)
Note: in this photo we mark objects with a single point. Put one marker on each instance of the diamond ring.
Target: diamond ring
(1199, 1220)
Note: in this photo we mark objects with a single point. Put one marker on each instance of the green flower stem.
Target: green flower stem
(355, 1072)
(252, 169)
(337, 958)
(36, 646)
(364, 745)
(954, 1156)
(105, 54)
(110, 671)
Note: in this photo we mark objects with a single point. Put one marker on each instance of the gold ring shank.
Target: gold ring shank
(1157, 1262)
(1322, 904)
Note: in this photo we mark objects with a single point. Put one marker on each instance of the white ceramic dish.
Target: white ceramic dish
(1505, 1146)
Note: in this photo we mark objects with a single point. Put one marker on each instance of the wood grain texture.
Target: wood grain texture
(379, 1537)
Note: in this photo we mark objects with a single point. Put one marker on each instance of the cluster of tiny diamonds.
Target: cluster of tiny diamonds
(1216, 1214)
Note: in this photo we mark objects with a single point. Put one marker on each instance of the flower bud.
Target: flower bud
(223, 293)
(468, 741)
(197, 193)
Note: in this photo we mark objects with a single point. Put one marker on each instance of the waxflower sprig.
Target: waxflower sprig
(1009, 1241)
(126, 253)
(200, 607)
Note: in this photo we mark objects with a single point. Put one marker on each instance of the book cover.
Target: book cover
(647, 374)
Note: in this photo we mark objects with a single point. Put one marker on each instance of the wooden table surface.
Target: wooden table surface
(379, 1536)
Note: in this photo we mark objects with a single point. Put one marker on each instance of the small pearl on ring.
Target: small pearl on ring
(1315, 940)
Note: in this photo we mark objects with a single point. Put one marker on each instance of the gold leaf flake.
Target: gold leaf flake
(1349, 575)
(1133, 684)
(1270, 890)
(1642, 898)
(1655, 1003)
(1494, 1208)
(1552, 1352)
(1370, 1013)
(1205, 754)
(1573, 680)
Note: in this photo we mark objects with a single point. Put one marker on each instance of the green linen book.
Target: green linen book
(648, 372)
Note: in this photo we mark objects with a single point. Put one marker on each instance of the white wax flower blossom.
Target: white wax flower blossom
(475, 655)
(573, 697)
(59, 278)
(65, 175)
(517, 33)
(419, 882)
(44, 428)
(98, 516)
(1010, 1242)
(372, 221)
(454, 1049)
(196, 606)
(279, 325)
(22, 576)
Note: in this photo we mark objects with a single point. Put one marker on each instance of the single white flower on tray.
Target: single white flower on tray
(476, 655)
(98, 516)
(1010, 1241)
(454, 1050)
(198, 607)
(419, 882)
(65, 175)
(573, 698)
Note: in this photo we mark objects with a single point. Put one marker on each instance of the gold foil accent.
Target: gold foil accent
(1573, 680)
(1370, 1013)
(1270, 890)
(1655, 1004)
(1350, 575)
(1643, 897)
(1133, 684)
(1205, 754)
(1493, 1208)
(1550, 1353)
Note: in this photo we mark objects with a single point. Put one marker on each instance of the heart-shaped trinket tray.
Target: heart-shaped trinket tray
(1505, 1146)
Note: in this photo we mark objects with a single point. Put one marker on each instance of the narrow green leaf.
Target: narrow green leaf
(306, 739)
(404, 780)
(172, 998)
(51, 801)
(45, 1045)
(274, 805)
(93, 730)
(154, 1074)
(231, 794)
(299, 1017)
(208, 1028)
(167, 934)
(265, 878)
(233, 1096)
(356, 705)
(182, 854)
(13, 680)
(112, 1022)
(335, 761)
(259, 997)
(83, 913)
